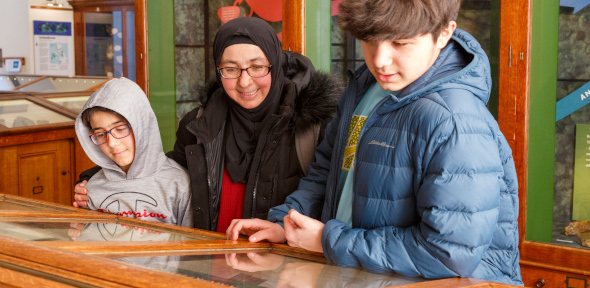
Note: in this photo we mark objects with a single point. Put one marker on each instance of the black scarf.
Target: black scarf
(244, 125)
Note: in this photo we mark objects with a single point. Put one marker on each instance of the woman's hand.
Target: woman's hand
(254, 262)
(300, 274)
(303, 232)
(75, 230)
(256, 229)
(80, 195)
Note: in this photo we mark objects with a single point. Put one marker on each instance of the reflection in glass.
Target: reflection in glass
(63, 84)
(66, 231)
(110, 44)
(72, 103)
(124, 232)
(22, 113)
(268, 270)
(8, 205)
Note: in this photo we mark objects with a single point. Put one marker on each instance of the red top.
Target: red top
(232, 202)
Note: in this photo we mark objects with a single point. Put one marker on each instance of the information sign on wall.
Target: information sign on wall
(581, 198)
(53, 48)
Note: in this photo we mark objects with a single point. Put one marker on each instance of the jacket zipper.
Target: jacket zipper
(253, 208)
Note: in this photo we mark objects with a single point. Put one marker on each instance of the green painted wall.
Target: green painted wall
(542, 120)
(494, 54)
(318, 33)
(161, 67)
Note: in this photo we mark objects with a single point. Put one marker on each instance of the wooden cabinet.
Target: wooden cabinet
(41, 171)
(553, 277)
(40, 156)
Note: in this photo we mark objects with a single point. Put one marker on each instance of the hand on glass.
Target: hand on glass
(303, 232)
(75, 230)
(300, 275)
(254, 262)
(80, 195)
(256, 230)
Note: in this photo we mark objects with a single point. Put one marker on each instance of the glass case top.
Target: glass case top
(267, 269)
(14, 206)
(44, 230)
(9, 82)
(64, 84)
(22, 113)
(73, 103)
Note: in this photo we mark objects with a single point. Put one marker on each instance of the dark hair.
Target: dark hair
(90, 111)
(381, 20)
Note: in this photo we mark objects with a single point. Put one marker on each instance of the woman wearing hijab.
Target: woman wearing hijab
(252, 138)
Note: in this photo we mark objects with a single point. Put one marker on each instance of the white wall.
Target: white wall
(16, 35)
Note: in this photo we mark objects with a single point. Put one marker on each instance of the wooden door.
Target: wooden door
(45, 171)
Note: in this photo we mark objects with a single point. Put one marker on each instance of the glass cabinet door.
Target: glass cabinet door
(23, 113)
(110, 44)
(10, 82)
(559, 149)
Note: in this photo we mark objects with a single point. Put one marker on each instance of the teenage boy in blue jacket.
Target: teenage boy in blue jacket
(414, 175)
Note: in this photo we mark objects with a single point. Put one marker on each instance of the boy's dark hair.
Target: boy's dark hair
(386, 20)
(90, 111)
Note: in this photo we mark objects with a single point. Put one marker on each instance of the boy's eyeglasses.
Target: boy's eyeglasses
(118, 132)
(235, 73)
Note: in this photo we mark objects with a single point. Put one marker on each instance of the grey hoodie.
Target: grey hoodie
(155, 188)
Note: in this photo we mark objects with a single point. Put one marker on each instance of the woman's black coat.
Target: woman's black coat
(280, 158)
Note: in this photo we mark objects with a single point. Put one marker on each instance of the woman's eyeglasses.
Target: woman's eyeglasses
(118, 132)
(235, 73)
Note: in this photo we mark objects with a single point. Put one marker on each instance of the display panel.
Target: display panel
(23, 113)
(9, 82)
(74, 103)
(64, 84)
(267, 269)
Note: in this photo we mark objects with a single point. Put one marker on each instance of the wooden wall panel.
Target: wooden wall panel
(8, 170)
(513, 102)
(294, 26)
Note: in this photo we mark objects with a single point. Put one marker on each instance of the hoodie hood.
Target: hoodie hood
(126, 98)
(461, 64)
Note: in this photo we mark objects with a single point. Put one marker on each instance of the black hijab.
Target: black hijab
(244, 125)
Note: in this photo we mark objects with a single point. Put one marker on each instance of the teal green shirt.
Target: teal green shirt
(372, 97)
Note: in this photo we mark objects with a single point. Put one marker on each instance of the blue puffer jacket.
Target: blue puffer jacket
(435, 188)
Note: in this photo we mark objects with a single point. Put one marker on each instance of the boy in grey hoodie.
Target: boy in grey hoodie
(119, 132)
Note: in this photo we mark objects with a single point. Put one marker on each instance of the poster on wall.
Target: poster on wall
(268, 10)
(54, 44)
(581, 196)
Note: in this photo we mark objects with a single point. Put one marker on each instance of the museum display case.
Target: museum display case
(62, 246)
(40, 156)
(9, 82)
(542, 133)
(49, 84)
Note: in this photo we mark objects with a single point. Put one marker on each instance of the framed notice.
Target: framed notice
(54, 45)
(581, 198)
